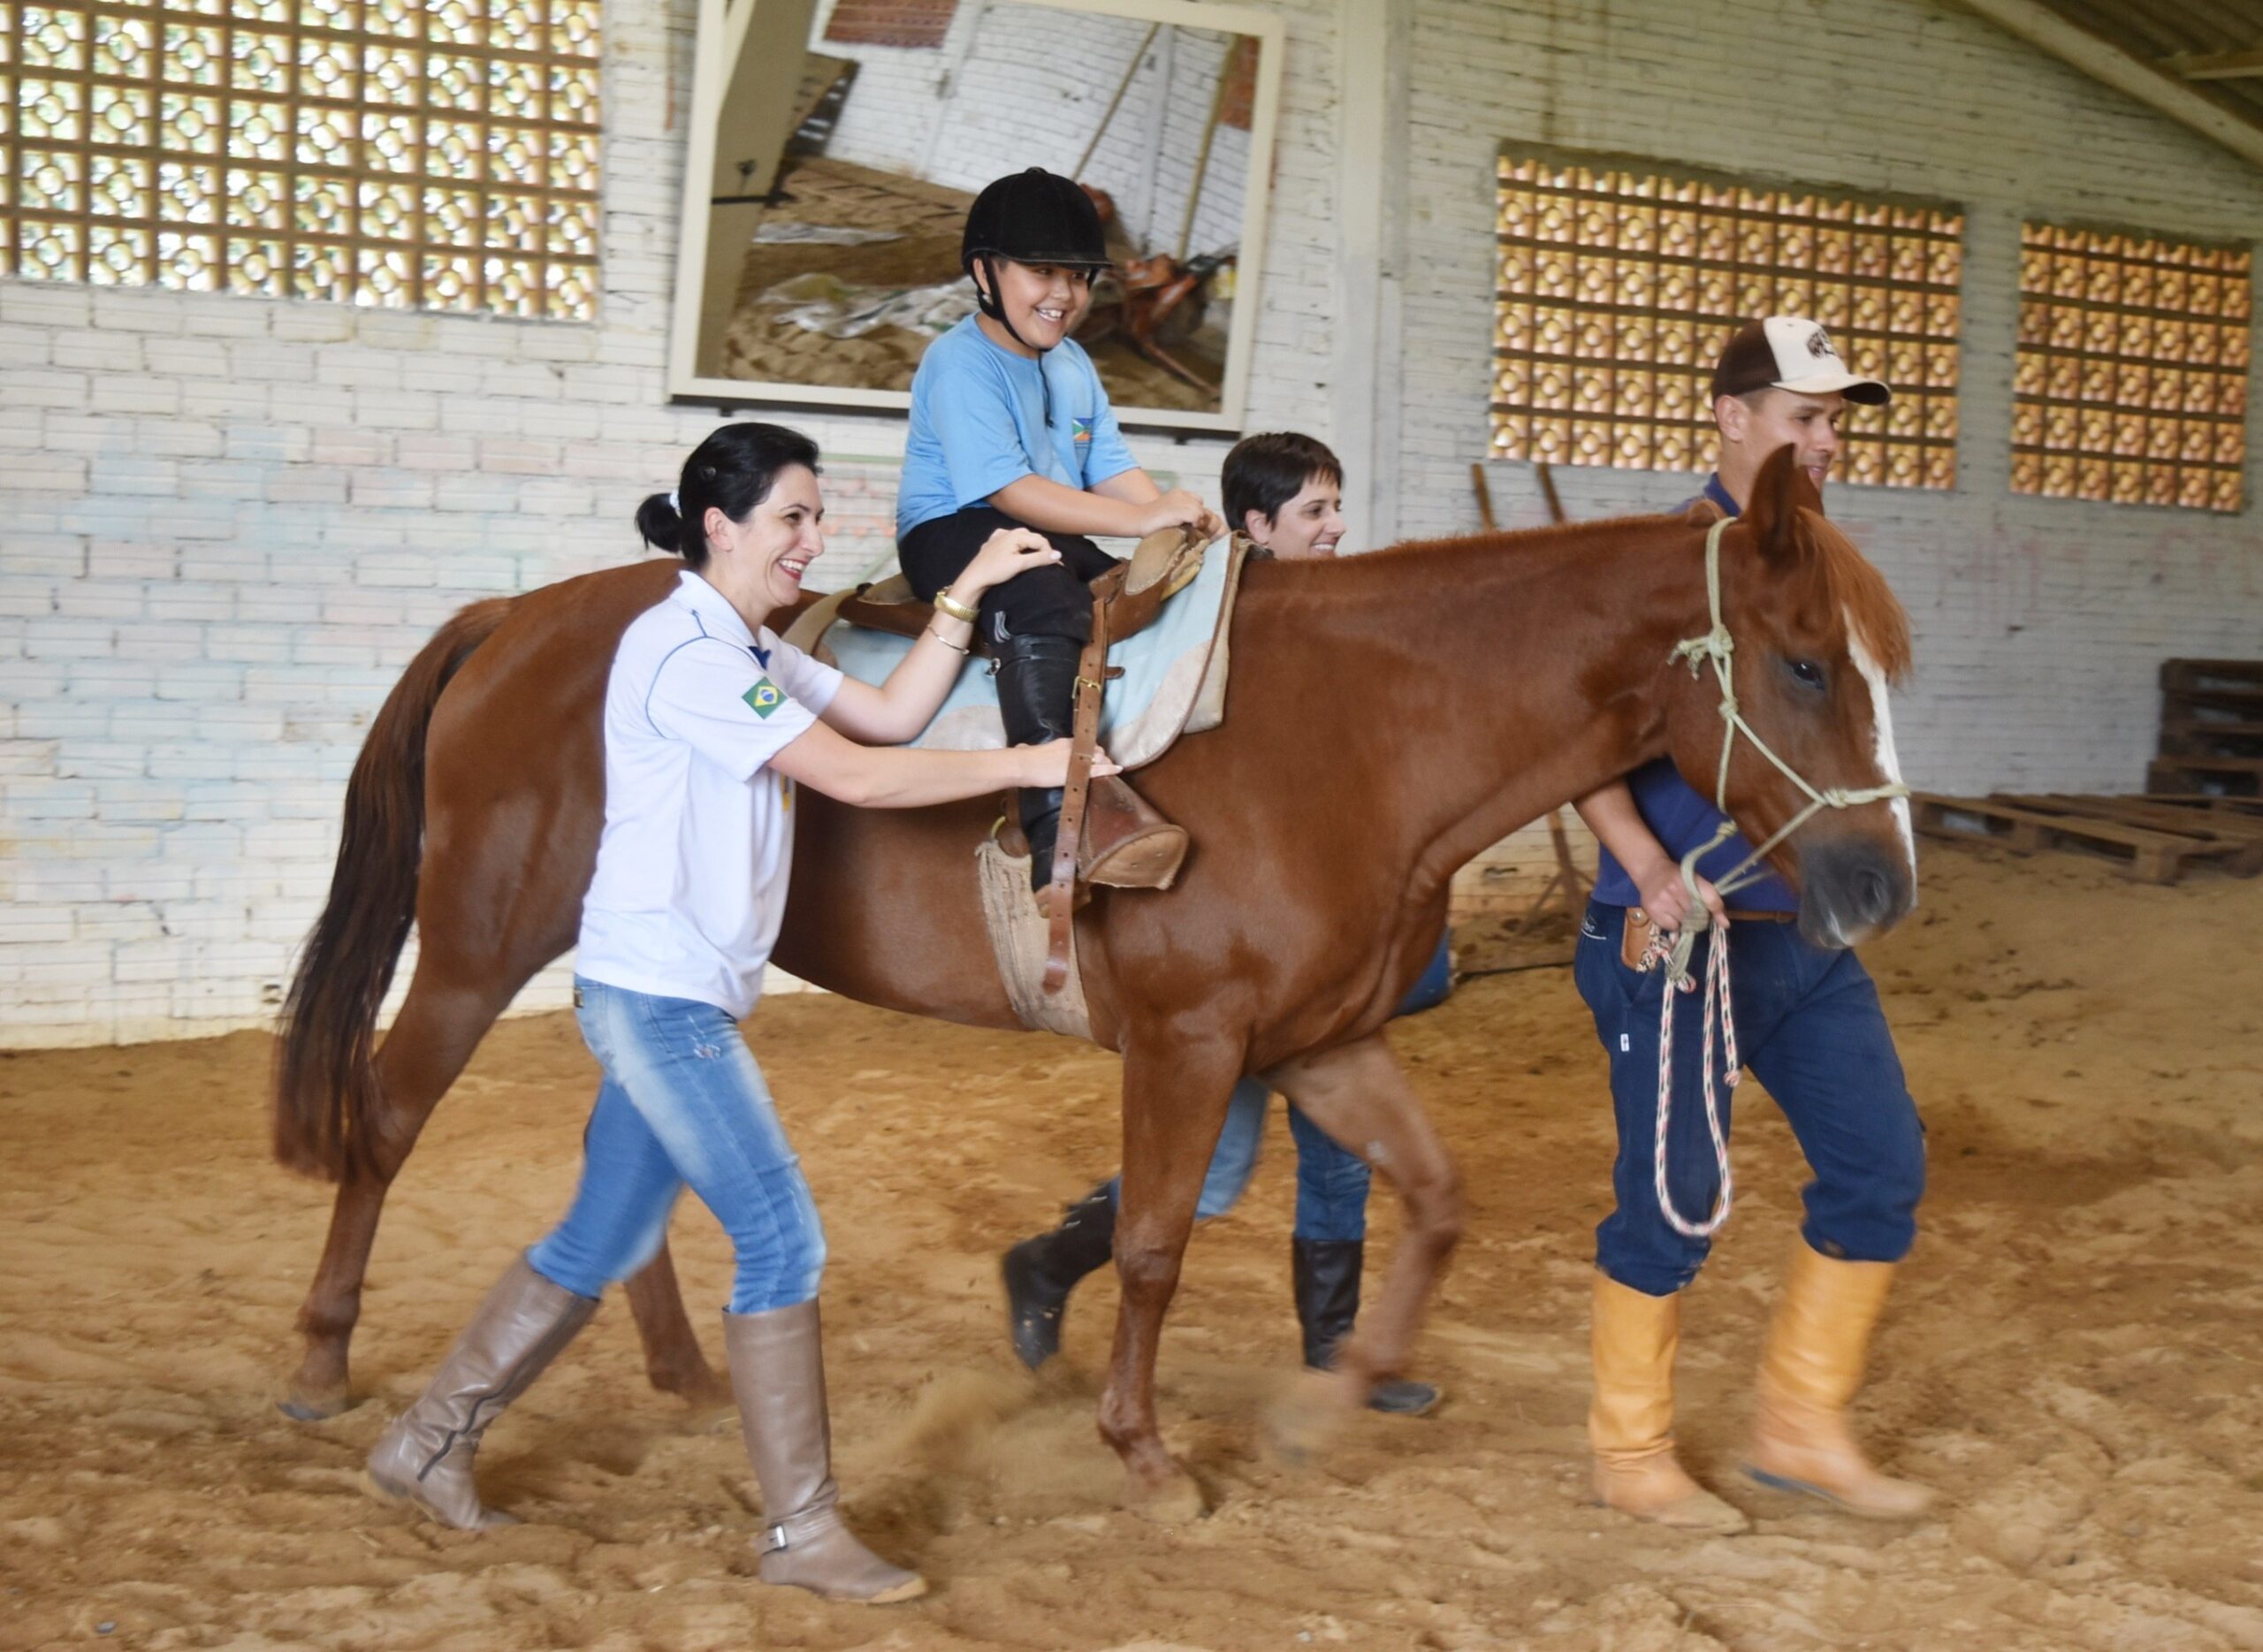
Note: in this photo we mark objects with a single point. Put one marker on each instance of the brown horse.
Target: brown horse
(1389, 716)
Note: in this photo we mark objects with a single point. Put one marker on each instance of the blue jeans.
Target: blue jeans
(1331, 1183)
(1810, 1027)
(682, 1104)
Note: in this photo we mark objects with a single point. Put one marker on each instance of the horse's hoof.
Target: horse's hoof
(701, 1389)
(300, 1405)
(1312, 1413)
(1176, 1502)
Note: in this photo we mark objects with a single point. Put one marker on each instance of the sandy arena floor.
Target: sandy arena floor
(2072, 1358)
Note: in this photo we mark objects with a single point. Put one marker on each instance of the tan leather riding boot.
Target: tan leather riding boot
(1630, 1424)
(1128, 844)
(426, 1457)
(1810, 1370)
(778, 1372)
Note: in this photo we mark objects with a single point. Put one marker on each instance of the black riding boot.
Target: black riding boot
(1325, 1273)
(1042, 1272)
(1037, 690)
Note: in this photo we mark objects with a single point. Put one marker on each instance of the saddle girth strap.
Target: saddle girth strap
(1083, 735)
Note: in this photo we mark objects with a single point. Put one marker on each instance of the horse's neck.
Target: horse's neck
(1494, 679)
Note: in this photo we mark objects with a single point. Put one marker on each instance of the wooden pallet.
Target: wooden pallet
(2219, 802)
(2241, 835)
(2210, 736)
(2148, 856)
(2239, 776)
(2185, 676)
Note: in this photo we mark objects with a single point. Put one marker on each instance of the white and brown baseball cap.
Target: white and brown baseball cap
(1790, 353)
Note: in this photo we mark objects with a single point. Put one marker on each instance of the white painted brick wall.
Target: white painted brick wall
(226, 524)
(2039, 623)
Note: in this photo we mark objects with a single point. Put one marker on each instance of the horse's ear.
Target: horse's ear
(1779, 493)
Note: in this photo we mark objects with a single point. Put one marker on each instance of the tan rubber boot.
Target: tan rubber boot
(1810, 1370)
(426, 1457)
(778, 1372)
(1630, 1424)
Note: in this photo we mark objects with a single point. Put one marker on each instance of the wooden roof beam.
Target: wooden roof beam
(2217, 65)
(2040, 25)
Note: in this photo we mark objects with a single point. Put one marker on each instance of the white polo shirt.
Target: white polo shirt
(698, 837)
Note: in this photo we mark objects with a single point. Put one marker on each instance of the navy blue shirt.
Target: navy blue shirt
(1681, 818)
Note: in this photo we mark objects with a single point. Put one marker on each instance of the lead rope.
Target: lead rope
(1719, 648)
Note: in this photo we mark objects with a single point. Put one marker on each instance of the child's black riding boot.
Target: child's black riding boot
(1127, 843)
(1037, 691)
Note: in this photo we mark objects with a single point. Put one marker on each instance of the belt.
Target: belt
(1736, 916)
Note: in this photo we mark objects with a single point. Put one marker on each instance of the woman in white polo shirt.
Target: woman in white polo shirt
(709, 721)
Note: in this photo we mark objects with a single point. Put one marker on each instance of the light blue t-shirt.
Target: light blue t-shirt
(978, 423)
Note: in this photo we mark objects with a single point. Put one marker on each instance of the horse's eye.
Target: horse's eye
(1809, 673)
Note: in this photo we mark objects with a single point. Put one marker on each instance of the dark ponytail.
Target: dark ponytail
(732, 471)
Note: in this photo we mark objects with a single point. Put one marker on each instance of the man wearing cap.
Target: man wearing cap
(1810, 1027)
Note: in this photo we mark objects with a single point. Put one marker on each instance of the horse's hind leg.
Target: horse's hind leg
(1358, 1095)
(672, 1359)
(1174, 1105)
(435, 1035)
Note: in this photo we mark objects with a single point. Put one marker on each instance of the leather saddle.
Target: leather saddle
(1108, 834)
(1163, 565)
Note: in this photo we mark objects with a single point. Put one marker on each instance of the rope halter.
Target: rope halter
(1719, 648)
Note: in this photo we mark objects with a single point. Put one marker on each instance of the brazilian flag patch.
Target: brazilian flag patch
(765, 697)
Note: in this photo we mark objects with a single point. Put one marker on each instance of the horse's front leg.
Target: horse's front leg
(1358, 1093)
(1175, 1093)
(673, 1360)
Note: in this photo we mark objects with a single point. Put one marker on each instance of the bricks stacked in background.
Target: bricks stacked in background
(2211, 727)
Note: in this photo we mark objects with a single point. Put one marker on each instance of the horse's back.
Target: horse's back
(515, 775)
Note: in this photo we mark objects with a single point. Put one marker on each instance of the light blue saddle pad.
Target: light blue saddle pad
(1160, 695)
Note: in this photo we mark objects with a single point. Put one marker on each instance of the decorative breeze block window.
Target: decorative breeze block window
(412, 153)
(1619, 282)
(2132, 379)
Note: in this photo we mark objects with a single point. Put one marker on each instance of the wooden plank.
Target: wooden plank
(2215, 65)
(2147, 811)
(2192, 674)
(2251, 768)
(1938, 816)
(2215, 698)
(2235, 839)
(2036, 22)
(2218, 727)
(2214, 801)
(2153, 856)
(2207, 737)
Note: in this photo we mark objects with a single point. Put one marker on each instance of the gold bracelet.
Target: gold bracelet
(954, 647)
(946, 604)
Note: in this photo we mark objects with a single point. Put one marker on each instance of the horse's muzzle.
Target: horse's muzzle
(1852, 889)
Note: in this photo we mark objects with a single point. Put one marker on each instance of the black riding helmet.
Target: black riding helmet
(1033, 218)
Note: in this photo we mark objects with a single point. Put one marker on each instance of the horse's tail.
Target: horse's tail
(325, 1086)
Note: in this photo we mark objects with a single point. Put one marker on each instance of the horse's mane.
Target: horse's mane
(1873, 612)
(1524, 538)
(1850, 582)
